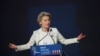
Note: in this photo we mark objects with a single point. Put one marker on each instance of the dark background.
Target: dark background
(14, 23)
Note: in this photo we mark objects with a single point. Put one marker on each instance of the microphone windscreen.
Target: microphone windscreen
(50, 30)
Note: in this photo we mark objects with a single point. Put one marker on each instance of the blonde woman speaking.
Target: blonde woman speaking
(45, 35)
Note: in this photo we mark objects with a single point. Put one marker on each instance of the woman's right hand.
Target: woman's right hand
(12, 46)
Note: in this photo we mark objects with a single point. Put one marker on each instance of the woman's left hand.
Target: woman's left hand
(81, 36)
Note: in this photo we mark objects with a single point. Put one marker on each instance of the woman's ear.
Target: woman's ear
(40, 23)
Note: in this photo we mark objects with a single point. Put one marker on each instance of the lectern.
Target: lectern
(46, 50)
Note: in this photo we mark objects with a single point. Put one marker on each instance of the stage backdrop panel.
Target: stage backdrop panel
(63, 18)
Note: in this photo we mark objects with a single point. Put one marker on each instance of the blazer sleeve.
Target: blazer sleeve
(64, 41)
(26, 46)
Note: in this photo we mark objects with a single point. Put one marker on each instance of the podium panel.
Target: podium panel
(46, 50)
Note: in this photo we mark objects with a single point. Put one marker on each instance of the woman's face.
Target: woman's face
(45, 22)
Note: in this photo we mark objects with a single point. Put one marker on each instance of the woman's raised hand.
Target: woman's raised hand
(81, 36)
(12, 46)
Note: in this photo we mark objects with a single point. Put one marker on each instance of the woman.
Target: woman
(46, 35)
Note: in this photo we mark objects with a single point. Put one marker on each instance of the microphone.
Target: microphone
(42, 38)
(50, 30)
(51, 35)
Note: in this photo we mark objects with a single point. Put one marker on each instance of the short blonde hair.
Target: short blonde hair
(43, 13)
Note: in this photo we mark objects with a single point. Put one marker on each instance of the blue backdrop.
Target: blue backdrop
(63, 18)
